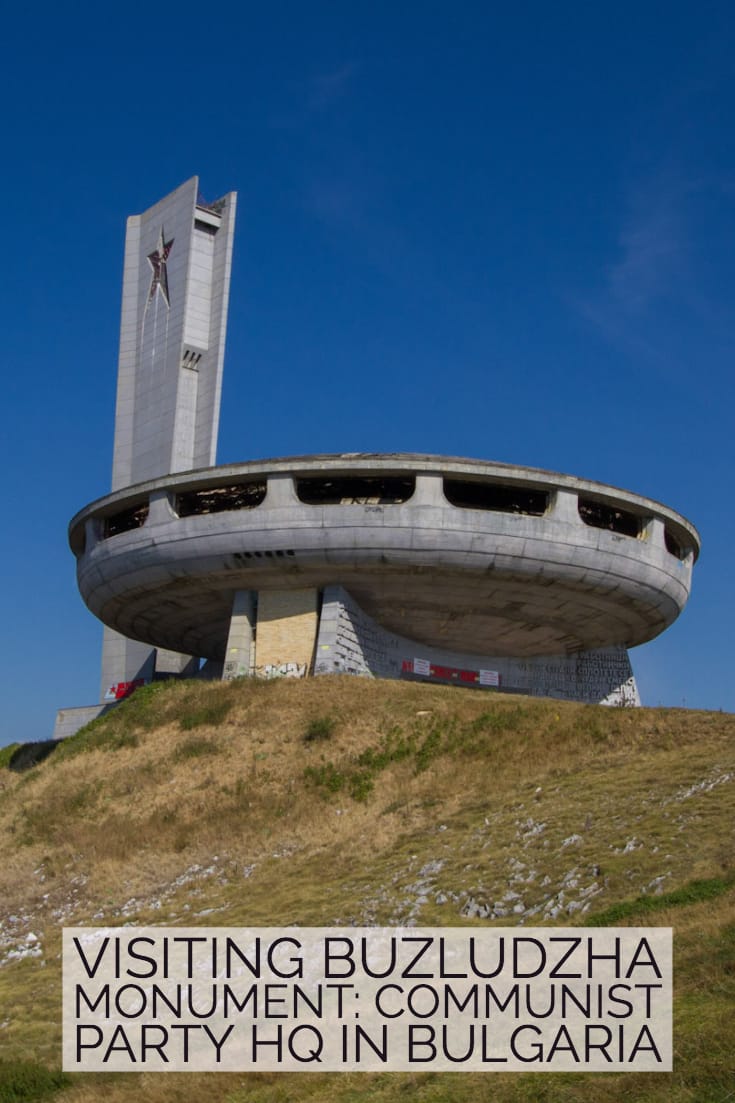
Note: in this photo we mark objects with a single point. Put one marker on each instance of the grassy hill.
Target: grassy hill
(339, 801)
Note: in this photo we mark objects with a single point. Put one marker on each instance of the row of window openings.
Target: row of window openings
(492, 497)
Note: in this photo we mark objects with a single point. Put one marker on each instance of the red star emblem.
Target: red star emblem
(157, 261)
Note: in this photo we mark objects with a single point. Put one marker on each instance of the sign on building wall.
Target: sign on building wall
(119, 690)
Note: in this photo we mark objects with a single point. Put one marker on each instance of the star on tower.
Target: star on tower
(157, 261)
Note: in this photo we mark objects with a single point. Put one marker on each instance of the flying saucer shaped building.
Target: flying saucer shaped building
(400, 566)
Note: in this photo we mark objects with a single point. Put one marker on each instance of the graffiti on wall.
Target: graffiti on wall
(233, 669)
(283, 670)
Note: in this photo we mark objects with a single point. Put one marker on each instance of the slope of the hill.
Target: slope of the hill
(340, 801)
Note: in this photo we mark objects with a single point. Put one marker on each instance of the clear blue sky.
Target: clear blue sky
(486, 230)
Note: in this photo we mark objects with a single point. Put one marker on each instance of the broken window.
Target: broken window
(219, 499)
(496, 497)
(672, 544)
(355, 490)
(134, 517)
(599, 515)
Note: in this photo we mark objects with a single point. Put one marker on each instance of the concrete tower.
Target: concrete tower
(176, 283)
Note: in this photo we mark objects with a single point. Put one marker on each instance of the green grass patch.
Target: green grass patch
(99, 738)
(25, 1080)
(44, 821)
(326, 776)
(692, 893)
(6, 754)
(359, 775)
(209, 714)
(507, 719)
(195, 747)
(319, 729)
(393, 747)
(418, 746)
(358, 783)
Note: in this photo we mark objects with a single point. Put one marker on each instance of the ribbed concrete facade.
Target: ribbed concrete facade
(176, 281)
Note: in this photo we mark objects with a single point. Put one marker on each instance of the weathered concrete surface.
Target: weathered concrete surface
(463, 579)
(69, 721)
(176, 282)
(351, 642)
(457, 558)
(178, 256)
(240, 653)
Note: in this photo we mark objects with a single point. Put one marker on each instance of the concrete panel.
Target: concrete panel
(240, 652)
(69, 721)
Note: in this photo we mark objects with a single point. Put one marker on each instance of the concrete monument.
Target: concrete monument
(403, 566)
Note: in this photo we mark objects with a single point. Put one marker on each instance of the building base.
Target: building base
(350, 642)
(303, 632)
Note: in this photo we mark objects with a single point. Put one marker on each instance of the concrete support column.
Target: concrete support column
(654, 533)
(124, 661)
(286, 632)
(239, 655)
(168, 662)
(429, 491)
(565, 507)
(281, 492)
(159, 508)
(92, 533)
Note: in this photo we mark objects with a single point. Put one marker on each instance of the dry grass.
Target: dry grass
(193, 798)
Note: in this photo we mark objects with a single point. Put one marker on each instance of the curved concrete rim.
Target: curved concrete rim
(394, 463)
(542, 582)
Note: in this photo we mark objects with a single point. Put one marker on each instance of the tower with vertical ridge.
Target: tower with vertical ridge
(176, 282)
